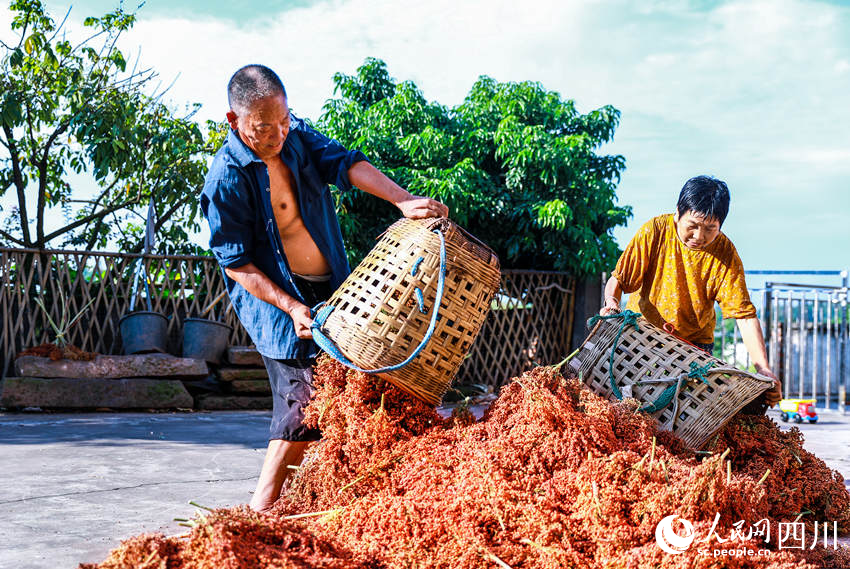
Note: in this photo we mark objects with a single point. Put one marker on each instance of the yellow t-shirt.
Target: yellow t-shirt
(670, 283)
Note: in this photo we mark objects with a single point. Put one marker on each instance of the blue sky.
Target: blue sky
(753, 92)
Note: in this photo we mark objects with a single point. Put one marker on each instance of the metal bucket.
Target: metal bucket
(144, 331)
(205, 339)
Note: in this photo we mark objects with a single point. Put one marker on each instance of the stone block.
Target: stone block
(89, 393)
(233, 402)
(244, 356)
(253, 386)
(233, 373)
(112, 367)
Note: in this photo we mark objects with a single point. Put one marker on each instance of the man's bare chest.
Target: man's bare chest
(283, 196)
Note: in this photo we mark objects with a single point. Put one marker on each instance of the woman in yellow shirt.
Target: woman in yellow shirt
(678, 265)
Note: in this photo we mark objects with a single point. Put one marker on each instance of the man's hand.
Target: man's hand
(418, 207)
(774, 394)
(300, 314)
(372, 181)
(258, 284)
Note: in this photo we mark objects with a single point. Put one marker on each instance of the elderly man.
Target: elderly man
(274, 231)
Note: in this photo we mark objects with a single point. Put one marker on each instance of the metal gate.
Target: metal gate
(807, 332)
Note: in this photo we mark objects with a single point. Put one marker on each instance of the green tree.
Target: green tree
(517, 165)
(75, 106)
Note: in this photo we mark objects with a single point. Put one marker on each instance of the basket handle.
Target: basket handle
(731, 370)
(329, 346)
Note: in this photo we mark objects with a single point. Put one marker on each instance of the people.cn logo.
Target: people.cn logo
(669, 540)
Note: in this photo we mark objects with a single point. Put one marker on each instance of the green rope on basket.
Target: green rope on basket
(628, 318)
(700, 372)
(665, 398)
(671, 391)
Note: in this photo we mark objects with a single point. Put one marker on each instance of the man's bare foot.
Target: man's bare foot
(264, 500)
(260, 507)
(275, 472)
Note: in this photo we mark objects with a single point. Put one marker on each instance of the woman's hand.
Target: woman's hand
(612, 306)
(774, 394)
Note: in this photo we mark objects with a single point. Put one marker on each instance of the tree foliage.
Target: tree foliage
(517, 164)
(74, 106)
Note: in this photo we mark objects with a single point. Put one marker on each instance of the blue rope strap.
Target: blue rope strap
(415, 266)
(420, 300)
(328, 345)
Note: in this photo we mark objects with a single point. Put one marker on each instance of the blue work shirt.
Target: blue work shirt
(236, 201)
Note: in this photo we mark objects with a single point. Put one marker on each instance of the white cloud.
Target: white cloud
(836, 160)
(443, 46)
(753, 91)
(746, 63)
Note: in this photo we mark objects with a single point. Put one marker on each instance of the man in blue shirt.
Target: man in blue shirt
(274, 231)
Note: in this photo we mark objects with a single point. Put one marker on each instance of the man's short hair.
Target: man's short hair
(706, 196)
(251, 83)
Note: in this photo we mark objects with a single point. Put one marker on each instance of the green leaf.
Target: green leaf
(12, 112)
(17, 58)
(50, 57)
(118, 59)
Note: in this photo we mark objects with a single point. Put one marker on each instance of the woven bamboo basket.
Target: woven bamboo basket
(382, 318)
(647, 361)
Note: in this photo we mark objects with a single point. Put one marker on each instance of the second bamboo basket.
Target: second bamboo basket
(688, 391)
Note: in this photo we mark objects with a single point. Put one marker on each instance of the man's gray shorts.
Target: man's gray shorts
(292, 385)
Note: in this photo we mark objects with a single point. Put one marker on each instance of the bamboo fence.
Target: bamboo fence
(530, 321)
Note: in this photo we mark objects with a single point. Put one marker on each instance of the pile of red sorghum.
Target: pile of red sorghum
(552, 476)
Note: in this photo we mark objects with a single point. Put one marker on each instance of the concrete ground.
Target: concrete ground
(76, 484)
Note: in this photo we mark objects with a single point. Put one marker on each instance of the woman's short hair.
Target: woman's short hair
(705, 195)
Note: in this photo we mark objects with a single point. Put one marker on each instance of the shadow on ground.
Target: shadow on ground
(247, 428)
